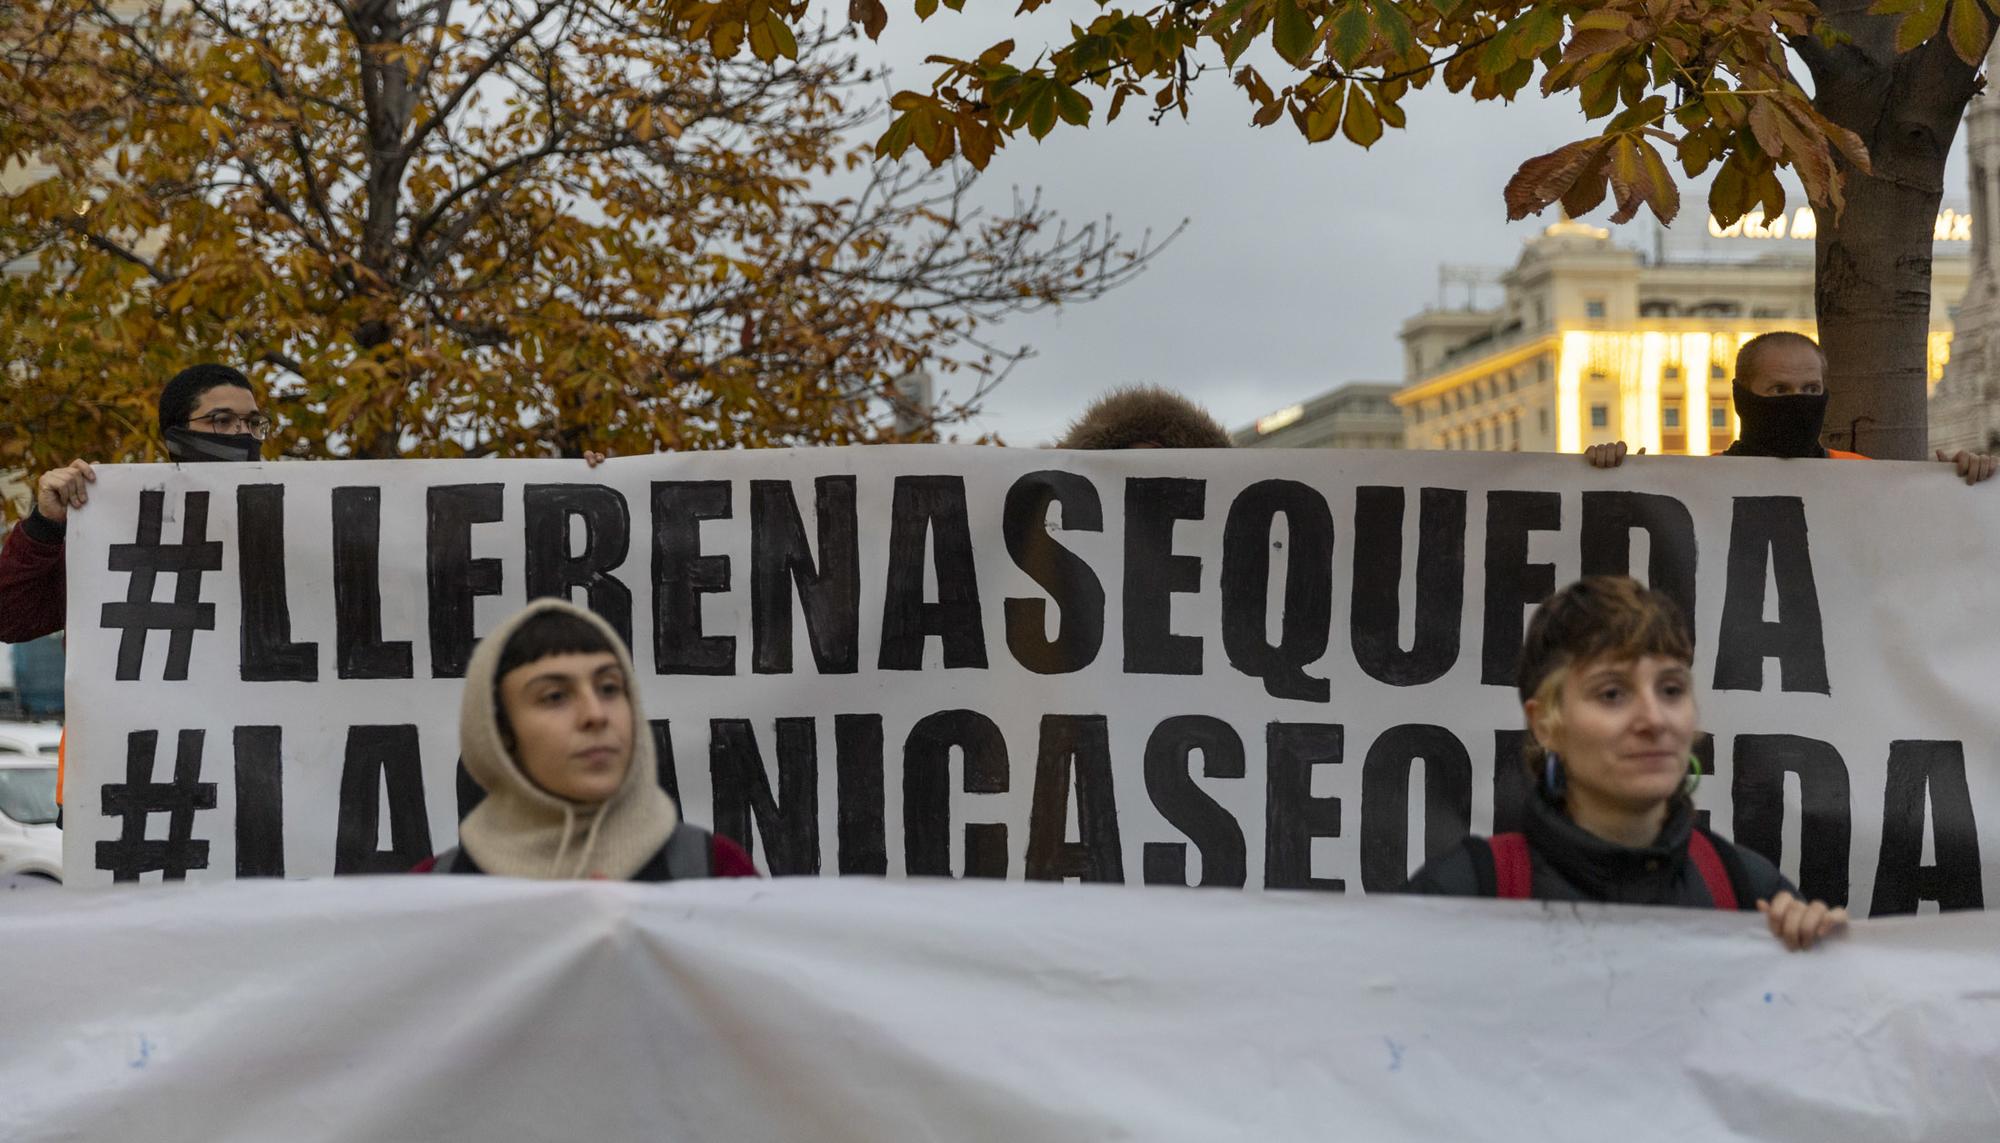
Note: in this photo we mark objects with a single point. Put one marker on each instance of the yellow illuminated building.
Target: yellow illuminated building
(1592, 342)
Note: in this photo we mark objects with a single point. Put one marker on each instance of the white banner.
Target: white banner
(1261, 668)
(450, 1008)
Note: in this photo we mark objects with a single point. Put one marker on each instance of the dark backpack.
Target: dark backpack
(1509, 872)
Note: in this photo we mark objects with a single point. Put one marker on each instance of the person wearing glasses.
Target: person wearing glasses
(207, 413)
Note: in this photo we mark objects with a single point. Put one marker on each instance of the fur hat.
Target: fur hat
(1144, 416)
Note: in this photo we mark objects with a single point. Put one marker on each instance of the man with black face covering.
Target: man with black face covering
(1780, 395)
(207, 413)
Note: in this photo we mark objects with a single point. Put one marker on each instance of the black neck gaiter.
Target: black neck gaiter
(190, 447)
(1779, 426)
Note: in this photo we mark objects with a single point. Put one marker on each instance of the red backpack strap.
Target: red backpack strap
(1708, 863)
(1513, 872)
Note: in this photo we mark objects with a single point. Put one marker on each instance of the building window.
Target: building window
(1715, 372)
(1670, 417)
(1514, 432)
(1482, 438)
(1600, 416)
(1671, 373)
(1541, 369)
(1513, 381)
(1542, 420)
(1593, 308)
(1599, 375)
(1718, 416)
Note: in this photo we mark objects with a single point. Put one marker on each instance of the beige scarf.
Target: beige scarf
(522, 830)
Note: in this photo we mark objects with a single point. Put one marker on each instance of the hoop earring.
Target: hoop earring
(1694, 776)
(1552, 776)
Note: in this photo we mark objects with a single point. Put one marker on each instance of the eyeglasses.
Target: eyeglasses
(225, 422)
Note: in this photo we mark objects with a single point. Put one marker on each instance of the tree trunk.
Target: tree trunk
(388, 102)
(1873, 260)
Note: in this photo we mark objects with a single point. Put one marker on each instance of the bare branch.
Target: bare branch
(99, 242)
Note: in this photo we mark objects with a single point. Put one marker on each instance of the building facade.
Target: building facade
(1593, 342)
(1360, 414)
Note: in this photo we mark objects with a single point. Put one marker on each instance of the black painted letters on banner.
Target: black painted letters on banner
(1512, 583)
(1769, 532)
(934, 507)
(829, 588)
(927, 755)
(554, 568)
(1154, 574)
(360, 650)
(455, 577)
(682, 575)
(1376, 615)
(1189, 808)
(1074, 589)
(1307, 556)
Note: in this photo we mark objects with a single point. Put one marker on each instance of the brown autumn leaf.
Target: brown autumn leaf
(1631, 185)
(872, 15)
(1546, 178)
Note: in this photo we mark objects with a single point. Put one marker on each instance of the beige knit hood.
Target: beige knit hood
(521, 830)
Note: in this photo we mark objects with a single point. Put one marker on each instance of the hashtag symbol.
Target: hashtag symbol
(139, 798)
(146, 559)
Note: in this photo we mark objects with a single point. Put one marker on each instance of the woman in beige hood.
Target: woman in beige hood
(551, 729)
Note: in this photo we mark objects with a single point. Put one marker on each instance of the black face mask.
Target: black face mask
(1779, 426)
(190, 447)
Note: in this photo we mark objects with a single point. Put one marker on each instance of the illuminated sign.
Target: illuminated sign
(1952, 226)
(1279, 419)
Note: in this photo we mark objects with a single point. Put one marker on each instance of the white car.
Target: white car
(30, 842)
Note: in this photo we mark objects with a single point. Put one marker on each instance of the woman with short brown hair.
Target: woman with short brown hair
(1607, 691)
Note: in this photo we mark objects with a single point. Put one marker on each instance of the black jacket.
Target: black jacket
(1570, 864)
(690, 852)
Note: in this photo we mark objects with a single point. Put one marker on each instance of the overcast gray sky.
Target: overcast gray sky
(1299, 262)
